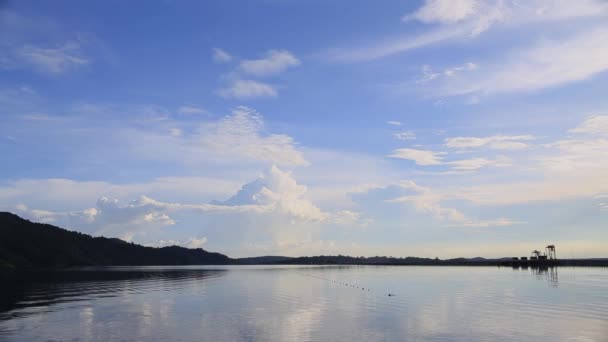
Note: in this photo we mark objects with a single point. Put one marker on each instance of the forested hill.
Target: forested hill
(28, 244)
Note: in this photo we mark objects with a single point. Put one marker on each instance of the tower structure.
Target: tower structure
(550, 251)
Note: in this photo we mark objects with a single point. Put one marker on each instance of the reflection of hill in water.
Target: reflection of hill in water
(43, 289)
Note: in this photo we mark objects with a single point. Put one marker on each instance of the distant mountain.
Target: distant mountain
(268, 259)
(382, 260)
(28, 244)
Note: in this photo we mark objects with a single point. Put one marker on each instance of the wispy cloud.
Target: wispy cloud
(497, 142)
(190, 110)
(409, 135)
(448, 20)
(39, 43)
(477, 163)
(428, 74)
(593, 124)
(420, 157)
(426, 200)
(428, 157)
(221, 56)
(54, 60)
(390, 46)
(547, 64)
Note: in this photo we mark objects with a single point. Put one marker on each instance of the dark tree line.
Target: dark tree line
(28, 244)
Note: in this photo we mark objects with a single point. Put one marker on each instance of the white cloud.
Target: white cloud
(239, 84)
(593, 124)
(274, 62)
(394, 123)
(246, 89)
(497, 142)
(409, 135)
(273, 197)
(449, 11)
(277, 189)
(427, 157)
(476, 16)
(480, 15)
(420, 157)
(221, 56)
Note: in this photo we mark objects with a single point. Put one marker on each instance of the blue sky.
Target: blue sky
(428, 128)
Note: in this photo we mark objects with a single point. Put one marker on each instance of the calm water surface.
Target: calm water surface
(290, 303)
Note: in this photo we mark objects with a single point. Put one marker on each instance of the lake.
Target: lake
(301, 303)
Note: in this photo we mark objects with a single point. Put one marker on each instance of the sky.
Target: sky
(438, 128)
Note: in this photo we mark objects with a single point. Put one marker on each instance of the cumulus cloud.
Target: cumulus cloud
(247, 89)
(239, 83)
(394, 123)
(274, 62)
(279, 190)
(221, 56)
(274, 196)
(497, 142)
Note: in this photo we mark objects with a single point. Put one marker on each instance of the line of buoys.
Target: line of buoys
(338, 282)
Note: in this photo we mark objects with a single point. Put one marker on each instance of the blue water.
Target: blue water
(317, 303)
